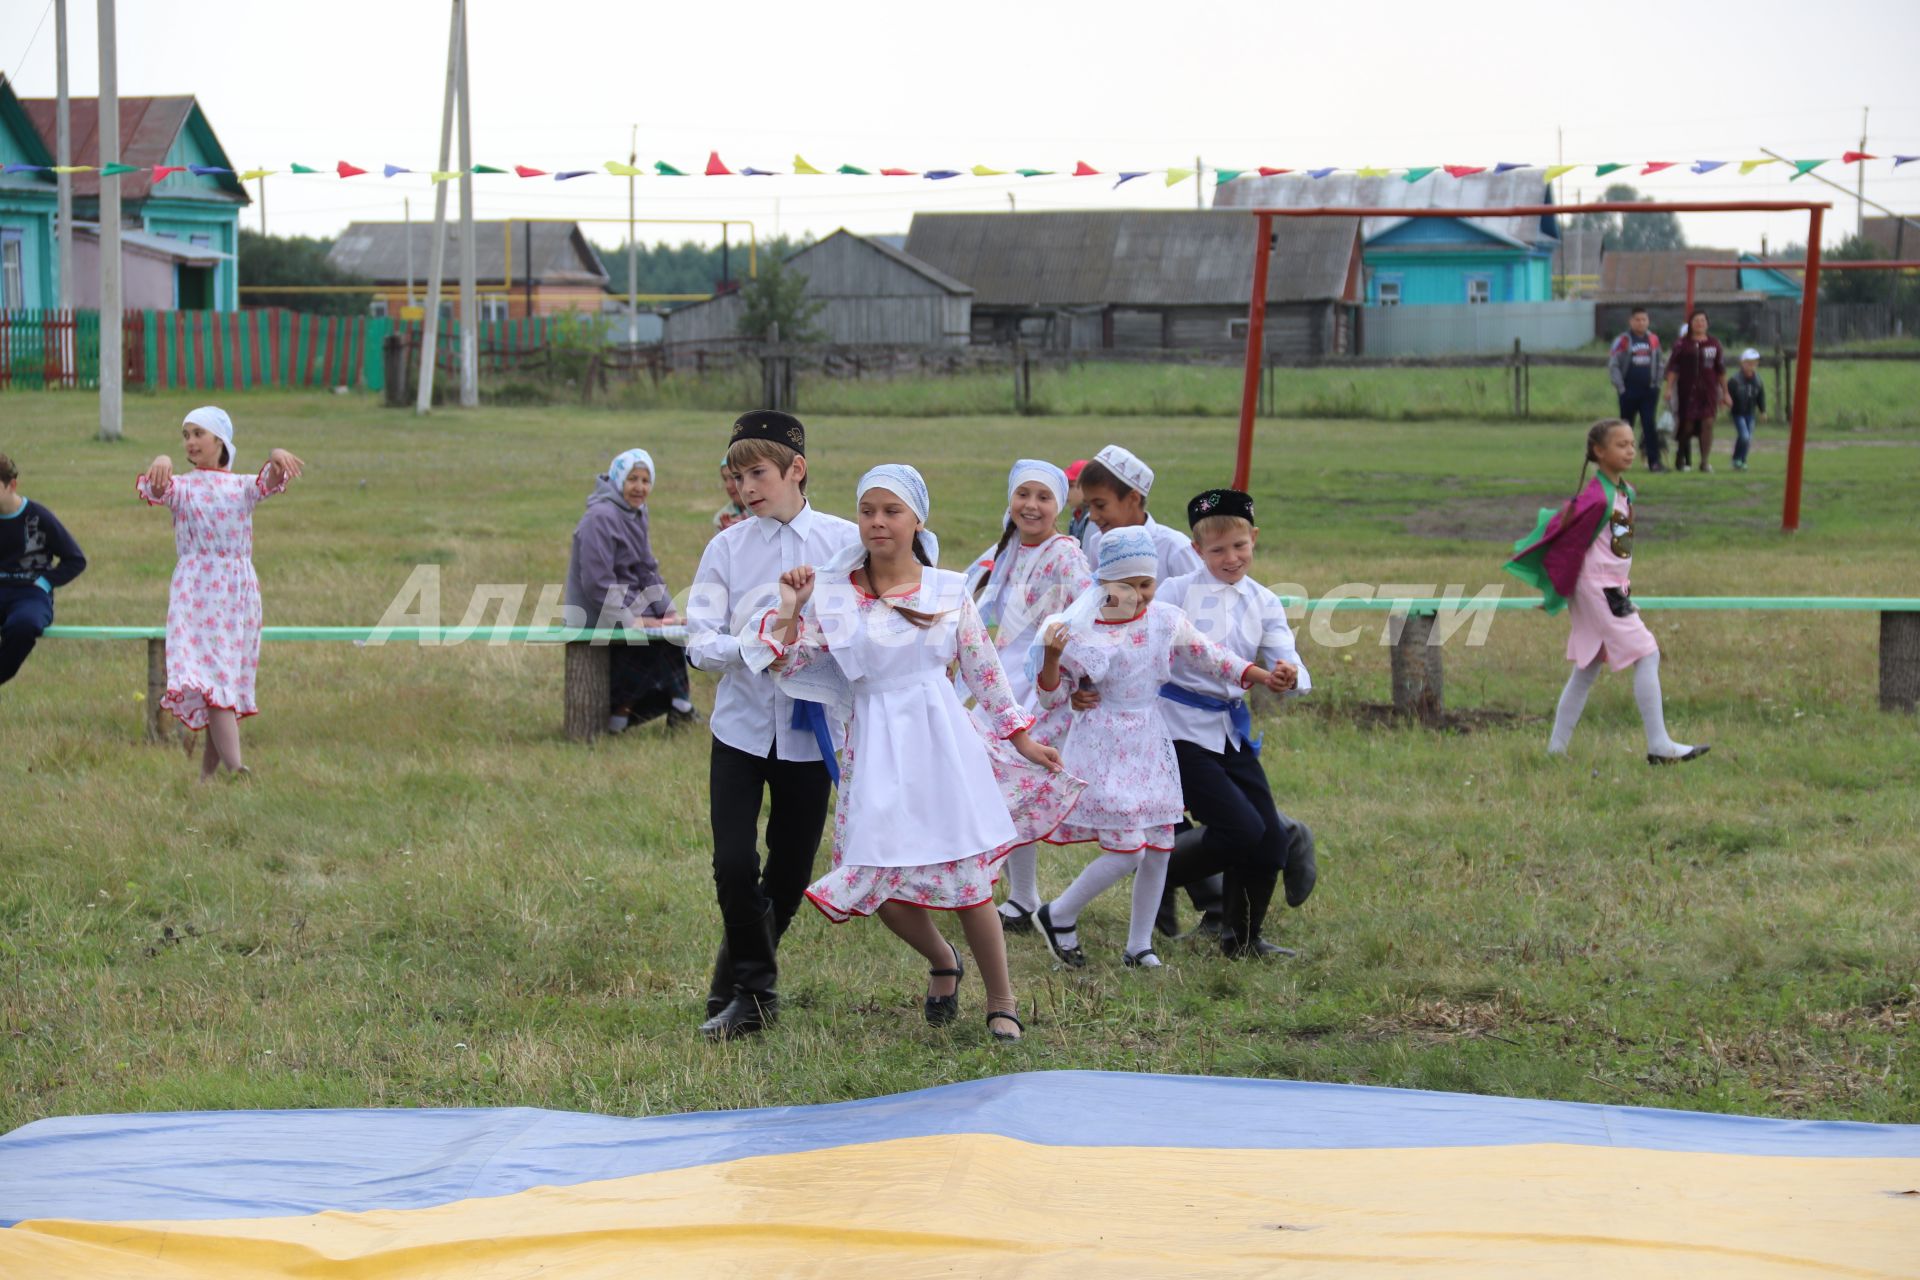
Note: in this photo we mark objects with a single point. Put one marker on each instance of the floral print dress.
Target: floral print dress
(1122, 747)
(213, 605)
(925, 810)
(1044, 580)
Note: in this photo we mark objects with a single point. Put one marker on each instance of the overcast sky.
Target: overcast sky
(559, 85)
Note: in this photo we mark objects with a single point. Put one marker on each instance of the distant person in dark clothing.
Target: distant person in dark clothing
(1635, 364)
(1697, 384)
(37, 555)
(1747, 397)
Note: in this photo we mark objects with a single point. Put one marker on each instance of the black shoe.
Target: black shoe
(1072, 957)
(1260, 949)
(942, 1010)
(1302, 871)
(1019, 920)
(1009, 1017)
(1693, 754)
(745, 1015)
(1141, 959)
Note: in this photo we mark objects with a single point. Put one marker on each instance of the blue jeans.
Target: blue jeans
(1743, 426)
(1645, 402)
(24, 613)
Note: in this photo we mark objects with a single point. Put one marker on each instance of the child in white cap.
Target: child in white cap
(1747, 394)
(213, 605)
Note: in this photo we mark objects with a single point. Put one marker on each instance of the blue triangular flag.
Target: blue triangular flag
(1129, 177)
(938, 175)
(750, 172)
(564, 174)
(24, 168)
(392, 169)
(205, 170)
(1900, 160)
(1321, 173)
(1506, 166)
(1704, 166)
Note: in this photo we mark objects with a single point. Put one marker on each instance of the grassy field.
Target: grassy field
(429, 898)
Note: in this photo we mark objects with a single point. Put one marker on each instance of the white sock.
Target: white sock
(1023, 877)
(1653, 716)
(1099, 875)
(1573, 701)
(616, 724)
(1149, 882)
(682, 705)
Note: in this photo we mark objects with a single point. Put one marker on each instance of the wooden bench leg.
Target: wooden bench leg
(1417, 683)
(587, 691)
(1899, 661)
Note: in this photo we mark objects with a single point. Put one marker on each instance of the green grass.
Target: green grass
(429, 898)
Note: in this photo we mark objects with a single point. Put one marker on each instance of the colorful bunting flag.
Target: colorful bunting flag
(1081, 169)
(801, 166)
(1321, 173)
(899, 173)
(1463, 170)
(485, 168)
(751, 172)
(1371, 173)
(1655, 166)
(87, 168)
(1855, 157)
(527, 171)
(1227, 175)
(206, 170)
(981, 171)
(619, 170)
(23, 168)
(1421, 171)
(941, 175)
(346, 170)
(1897, 161)
(1266, 172)
(1602, 170)
(1507, 166)
(1748, 166)
(1705, 166)
(1175, 176)
(1804, 167)
(666, 170)
(161, 172)
(1555, 170)
(850, 169)
(251, 174)
(565, 174)
(297, 168)
(1033, 173)
(444, 175)
(391, 169)
(1129, 176)
(715, 169)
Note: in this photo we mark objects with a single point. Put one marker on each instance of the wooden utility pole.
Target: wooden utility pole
(436, 272)
(63, 154)
(1199, 183)
(112, 359)
(1860, 181)
(469, 300)
(633, 250)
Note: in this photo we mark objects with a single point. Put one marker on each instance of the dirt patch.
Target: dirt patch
(1381, 715)
(1477, 520)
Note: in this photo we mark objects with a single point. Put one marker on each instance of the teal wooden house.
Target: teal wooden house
(27, 203)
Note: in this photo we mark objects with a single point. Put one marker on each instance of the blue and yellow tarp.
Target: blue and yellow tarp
(1080, 1174)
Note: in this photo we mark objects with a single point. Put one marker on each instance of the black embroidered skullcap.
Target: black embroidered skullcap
(1219, 502)
(771, 424)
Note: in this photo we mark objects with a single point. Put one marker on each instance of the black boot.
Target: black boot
(720, 989)
(1245, 912)
(1185, 864)
(1300, 870)
(755, 1003)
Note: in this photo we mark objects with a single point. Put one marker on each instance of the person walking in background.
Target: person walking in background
(1635, 364)
(1697, 386)
(1747, 397)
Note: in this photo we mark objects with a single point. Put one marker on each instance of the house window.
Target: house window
(493, 310)
(205, 242)
(1387, 293)
(1237, 330)
(378, 307)
(1479, 289)
(13, 275)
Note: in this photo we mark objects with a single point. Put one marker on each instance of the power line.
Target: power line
(25, 53)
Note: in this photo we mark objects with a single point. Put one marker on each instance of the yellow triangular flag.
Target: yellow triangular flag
(72, 168)
(619, 170)
(1748, 166)
(801, 166)
(981, 171)
(1555, 170)
(438, 176)
(251, 174)
(1371, 173)
(1175, 176)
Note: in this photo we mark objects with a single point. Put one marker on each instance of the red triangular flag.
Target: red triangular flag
(1464, 170)
(897, 173)
(1655, 166)
(1081, 169)
(1852, 157)
(525, 172)
(715, 169)
(346, 170)
(161, 172)
(1265, 172)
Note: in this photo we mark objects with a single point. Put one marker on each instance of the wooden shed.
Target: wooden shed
(874, 294)
(1146, 279)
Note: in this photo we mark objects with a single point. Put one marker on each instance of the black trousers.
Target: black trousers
(758, 900)
(24, 613)
(644, 679)
(1645, 403)
(1246, 837)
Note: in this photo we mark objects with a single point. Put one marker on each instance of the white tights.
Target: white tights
(1149, 870)
(1646, 692)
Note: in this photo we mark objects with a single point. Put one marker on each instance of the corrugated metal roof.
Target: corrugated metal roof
(377, 251)
(1661, 275)
(162, 246)
(1131, 257)
(1438, 190)
(148, 127)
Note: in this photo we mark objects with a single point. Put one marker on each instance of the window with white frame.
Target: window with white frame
(493, 310)
(1479, 289)
(1387, 293)
(13, 273)
(378, 307)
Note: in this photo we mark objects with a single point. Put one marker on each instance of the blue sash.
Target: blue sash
(811, 715)
(1236, 711)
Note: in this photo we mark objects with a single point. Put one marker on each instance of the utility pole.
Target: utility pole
(469, 300)
(633, 250)
(263, 204)
(1860, 180)
(436, 272)
(1199, 183)
(406, 215)
(63, 154)
(112, 358)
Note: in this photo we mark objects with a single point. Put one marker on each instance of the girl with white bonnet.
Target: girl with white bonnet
(1126, 645)
(613, 580)
(922, 819)
(1033, 572)
(213, 605)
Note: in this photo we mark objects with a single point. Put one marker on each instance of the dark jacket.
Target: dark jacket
(1749, 395)
(612, 569)
(31, 539)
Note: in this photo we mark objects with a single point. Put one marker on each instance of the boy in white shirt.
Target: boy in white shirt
(1115, 487)
(763, 741)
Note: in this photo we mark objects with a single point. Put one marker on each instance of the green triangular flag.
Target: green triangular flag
(1602, 170)
(1414, 175)
(847, 168)
(107, 171)
(1227, 175)
(1033, 173)
(300, 168)
(1803, 168)
(485, 168)
(666, 170)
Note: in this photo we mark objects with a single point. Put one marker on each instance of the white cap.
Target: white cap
(1750, 354)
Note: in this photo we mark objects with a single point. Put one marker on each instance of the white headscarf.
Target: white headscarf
(1129, 468)
(1000, 573)
(904, 483)
(623, 463)
(212, 418)
(1124, 553)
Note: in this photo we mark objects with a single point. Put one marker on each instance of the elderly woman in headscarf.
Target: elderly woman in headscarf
(613, 580)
